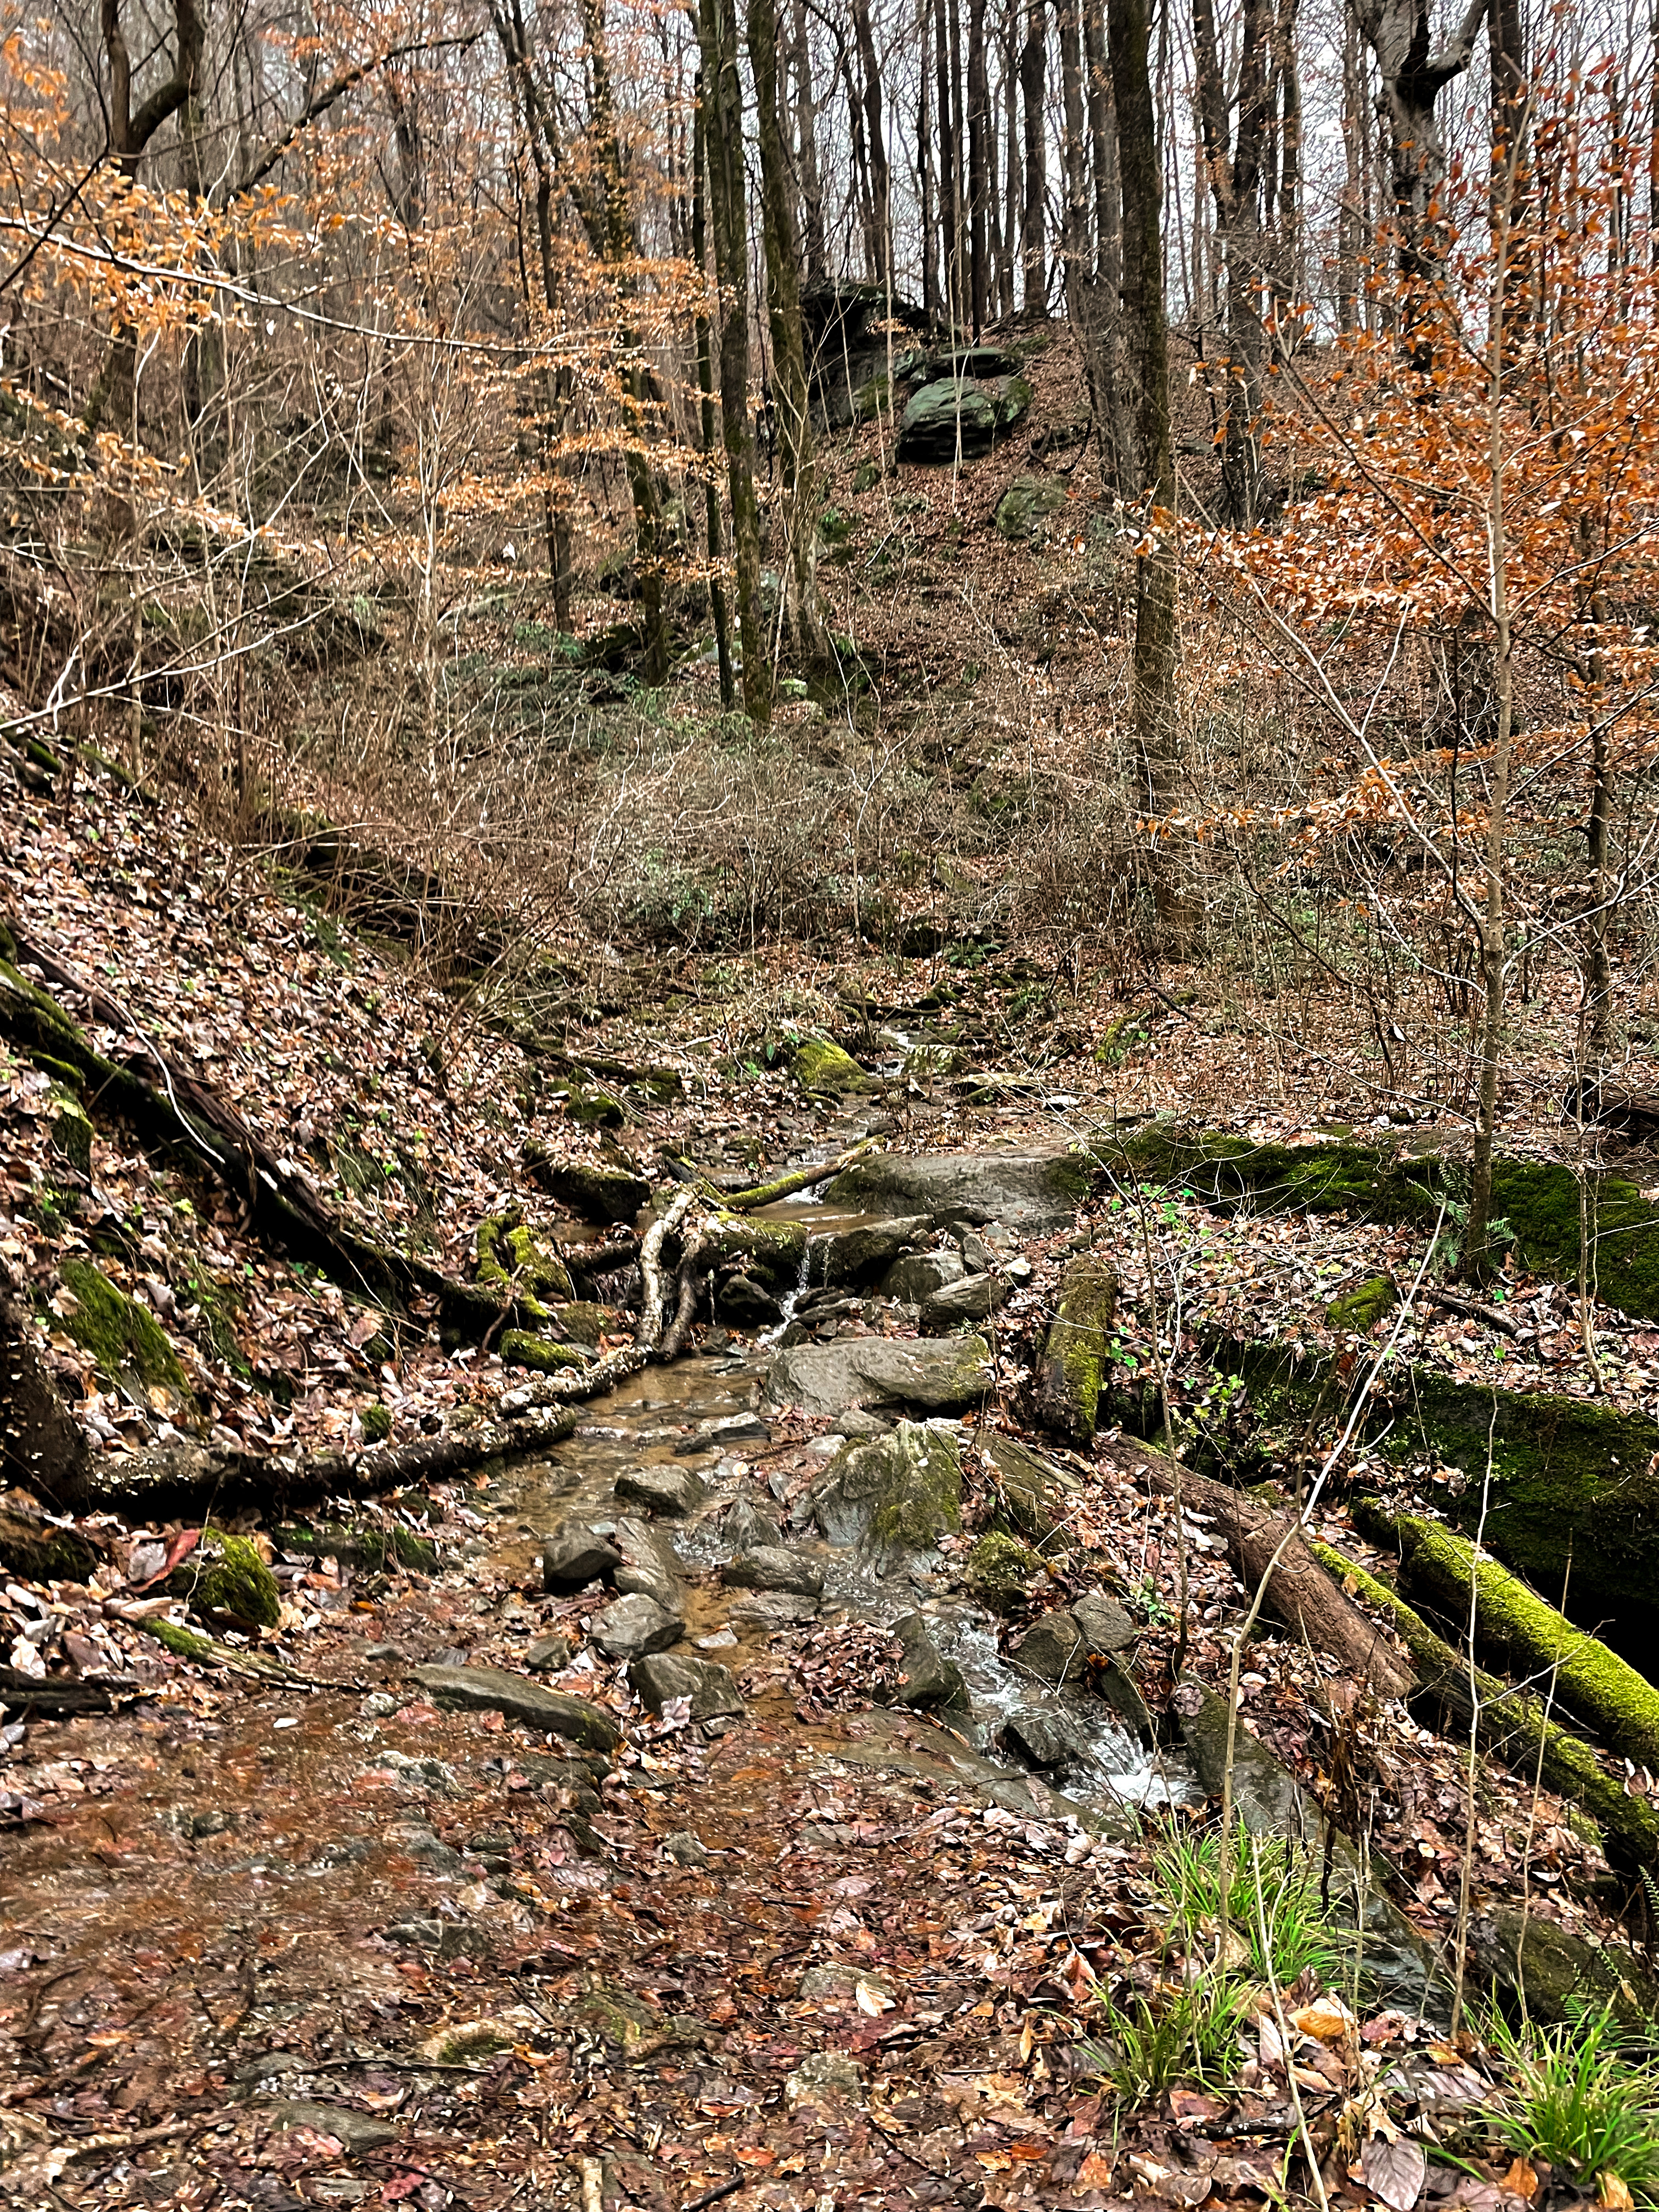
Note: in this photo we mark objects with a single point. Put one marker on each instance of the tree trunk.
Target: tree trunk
(1413, 75)
(789, 388)
(1007, 243)
(806, 138)
(718, 37)
(1033, 60)
(1156, 731)
(1235, 174)
(880, 184)
(706, 406)
(1350, 218)
(979, 152)
(1113, 414)
(949, 182)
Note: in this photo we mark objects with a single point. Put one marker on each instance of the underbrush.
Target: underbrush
(1584, 2099)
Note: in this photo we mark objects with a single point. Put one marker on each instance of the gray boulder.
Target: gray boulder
(664, 1676)
(863, 1255)
(747, 1525)
(1106, 1626)
(928, 1678)
(770, 1610)
(945, 1374)
(956, 415)
(1053, 1650)
(1047, 1741)
(770, 1567)
(491, 1689)
(650, 1566)
(575, 1555)
(1032, 1192)
(673, 1491)
(1027, 505)
(975, 1297)
(893, 1496)
(636, 1625)
(913, 1280)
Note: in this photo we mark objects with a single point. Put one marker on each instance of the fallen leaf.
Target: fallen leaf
(1095, 2171)
(1327, 2019)
(1395, 2171)
(871, 2000)
(1520, 2180)
(1615, 2194)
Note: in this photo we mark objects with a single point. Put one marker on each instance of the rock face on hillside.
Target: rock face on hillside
(1031, 1192)
(956, 415)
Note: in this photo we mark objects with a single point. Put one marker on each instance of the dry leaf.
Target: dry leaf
(871, 2000)
(1095, 2171)
(1520, 2180)
(1327, 2019)
(1613, 2194)
(1395, 2171)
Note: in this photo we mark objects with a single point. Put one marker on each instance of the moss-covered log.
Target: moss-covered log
(1512, 1724)
(1514, 1623)
(1300, 1594)
(785, 1186)
(1074, 1354)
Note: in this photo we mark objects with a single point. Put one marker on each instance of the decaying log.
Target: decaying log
(1509, 1723)
(1301, 1595)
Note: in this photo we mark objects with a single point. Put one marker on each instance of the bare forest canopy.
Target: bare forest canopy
(564, 443)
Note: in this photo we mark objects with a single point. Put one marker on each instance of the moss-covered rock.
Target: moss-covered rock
(71, 1131)
(1364, 1306)
(375, 1421)
(123, 1337)
(821, 1066)
(225, 1580)
(1554, 1973)
(1074, 1356)
(514, 1259)
(892, 1496)
(370, 1544)
(1000, 1566)
(595, 1109)
(1030, 1496)
(521, 1349)
(1026, 505)
(588, 1189)
(1539, 1200)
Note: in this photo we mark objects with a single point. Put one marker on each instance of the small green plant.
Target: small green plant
(1184, 2032)
(1582, 2099)
(1299, 1929)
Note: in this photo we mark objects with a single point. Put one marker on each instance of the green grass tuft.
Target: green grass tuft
(1581, 2098)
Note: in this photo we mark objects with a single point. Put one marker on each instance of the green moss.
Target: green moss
(923, 1500)
(1363, 1307)
(183, 1642)
(821, 1066)
(224, 1578)
(512, 1259)
(595, 1193)
(375, 1421)
(595, 1109)
(1075, 1353)
(1000, 1566)
(121, 1336)
(371, 1544)
(1587, 1679)
(521, 1349)
(71, 1131)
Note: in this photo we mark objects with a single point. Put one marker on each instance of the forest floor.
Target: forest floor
(325, 1940)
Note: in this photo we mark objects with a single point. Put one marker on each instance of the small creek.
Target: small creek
(1103, 1767)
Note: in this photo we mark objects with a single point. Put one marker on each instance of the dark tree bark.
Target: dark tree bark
(1146, 333)
(946, 99)
(717, 33)
(881, 207)
(807, 139)
(1414, 73)
(1033, 241)
(789, 389)
(979, 161)
(1235, 175)
(1351, 212)
(706, 407)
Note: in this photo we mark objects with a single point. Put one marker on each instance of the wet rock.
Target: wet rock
(747, 1304)
(863, 1256)
(853, 1421)
(1115, 1683)
(748, 1526)
(673, 1491)
(1052, 1651)
(1106, 1626)
(938, 1376)
(1032, 1192)
(914, 1281)
(547, 1655)
(636, 1625)
(730, 1429)
(664, 1676)
(975, 1297)
(926, 1677)
(771, 1567)
(1050, 1741)
(491, 1689)
(894, 1496)
(774, 1609)
(1000, 1566)
(358, 2131)
(575, 1555)
(650, 1565)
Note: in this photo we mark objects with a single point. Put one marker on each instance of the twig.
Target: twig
(1472, 1310)
(720, 2188)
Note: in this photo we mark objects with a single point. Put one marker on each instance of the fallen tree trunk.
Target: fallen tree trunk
(1300, 1594)
(785, 1186)
(1592, 1682)
(1509, 1723)
(187, 1121)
